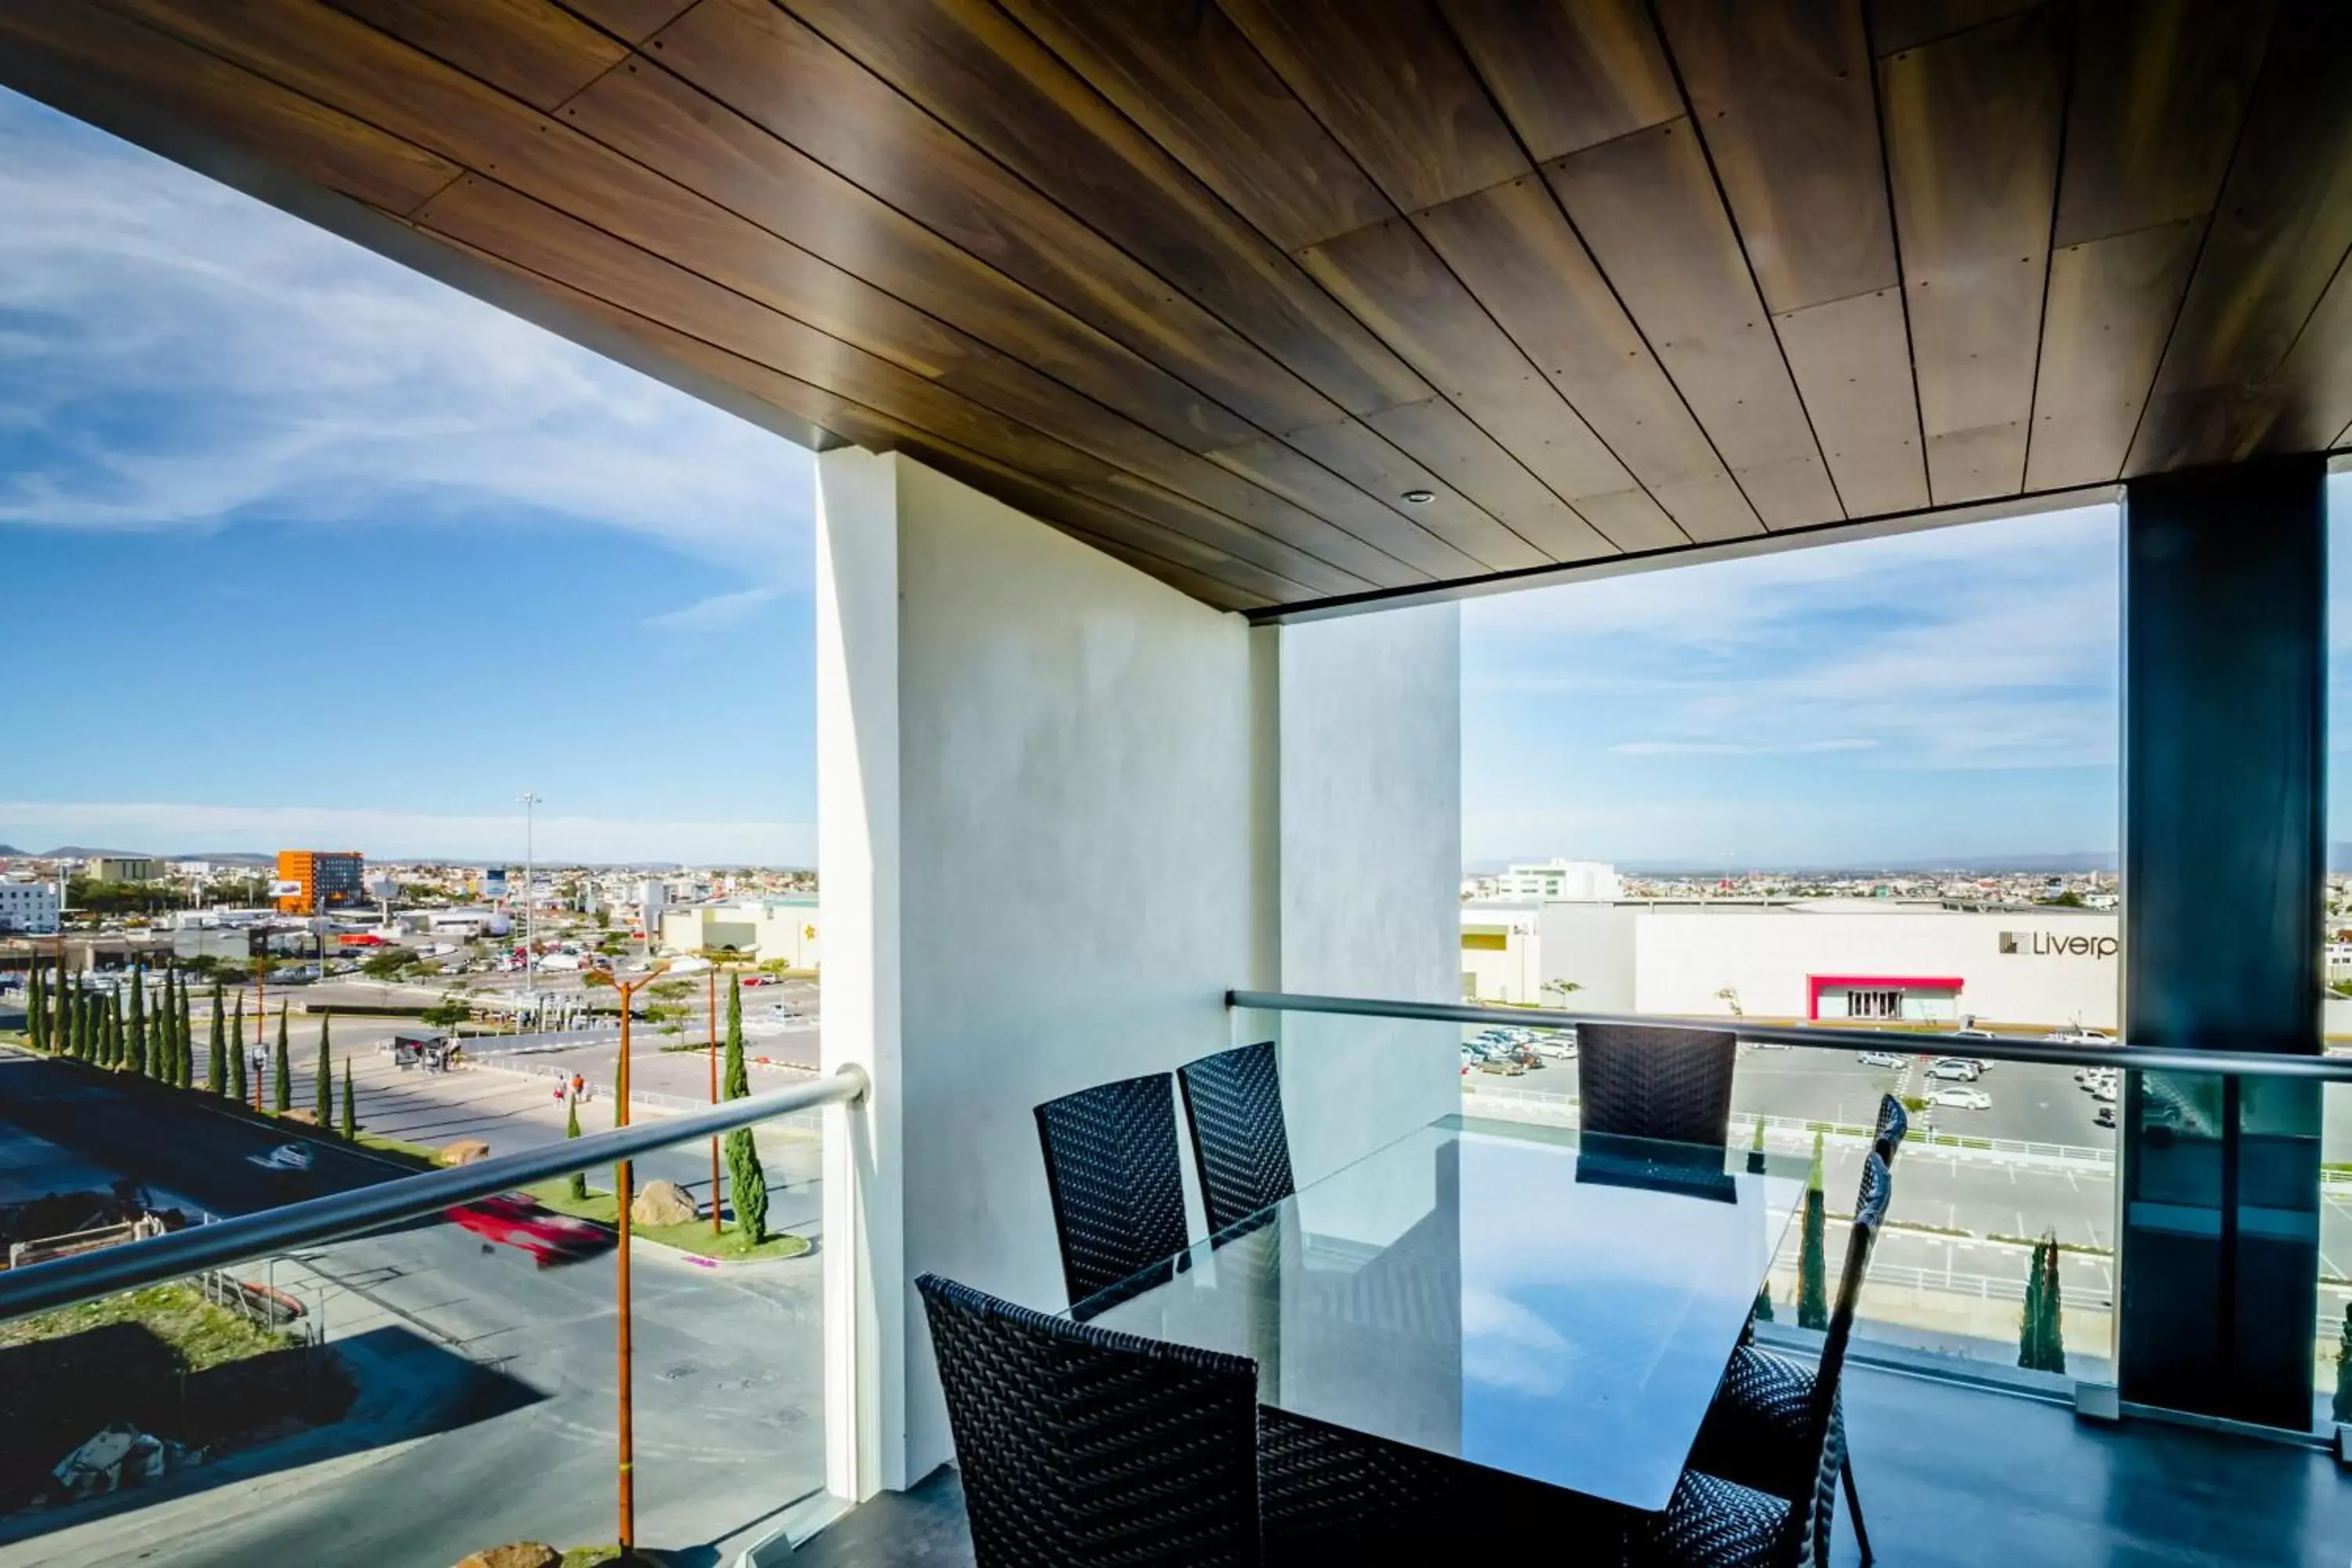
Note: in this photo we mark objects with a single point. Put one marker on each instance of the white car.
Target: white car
(1961, 1099)
(285, 1157)
(1956, 1069)
(1972, 1034)
(2106, 1094)
(1879, 1059)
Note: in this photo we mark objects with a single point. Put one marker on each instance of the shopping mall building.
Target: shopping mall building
(1817, 959)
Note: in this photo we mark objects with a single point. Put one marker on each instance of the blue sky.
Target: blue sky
(334, 554)
(330, 553)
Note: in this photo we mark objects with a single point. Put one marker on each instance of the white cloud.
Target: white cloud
(170, 829)
(181, 355)
(717, 613)
(1735, 749)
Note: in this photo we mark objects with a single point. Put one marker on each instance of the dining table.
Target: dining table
(1549, 1304)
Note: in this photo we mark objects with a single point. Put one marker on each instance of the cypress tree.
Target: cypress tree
(281, 1085)
(745, 1180)
(351, 1108)
(136, 1041)
(323, 1085)
(1812, 1270)
(2054, 1331)
(167, 1032)
(2028, 1317)
(114, 1037)
(2342, 1409)
(1762, 1310)
(577, 1184)
(185, 1029)
(216, 1058)
(37, 1008)
(79, 1019)
(236, 1051)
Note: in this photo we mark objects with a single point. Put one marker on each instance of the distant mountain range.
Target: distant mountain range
(84, 852)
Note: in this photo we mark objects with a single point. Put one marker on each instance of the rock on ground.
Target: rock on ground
(516, 1554)
(662, 1202)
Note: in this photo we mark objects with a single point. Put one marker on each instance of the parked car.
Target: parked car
(1972, 1033)
(2104, 1117)
(512, 1219)
(1879, 1059)
(2106, 1094)
(1961, 1099)
(288, 1158)
(1503, 1064)
(1955, 1069)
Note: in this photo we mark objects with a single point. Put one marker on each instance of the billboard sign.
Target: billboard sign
(285, 889)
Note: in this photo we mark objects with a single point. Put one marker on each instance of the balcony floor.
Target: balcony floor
(1950, 1478)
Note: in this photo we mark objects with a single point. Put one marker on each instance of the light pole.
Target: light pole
(530, 929)
(714, 1098)
(627, 991)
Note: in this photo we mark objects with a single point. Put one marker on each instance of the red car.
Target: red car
(511, 1219)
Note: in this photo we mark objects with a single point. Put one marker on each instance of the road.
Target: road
(729, 1418)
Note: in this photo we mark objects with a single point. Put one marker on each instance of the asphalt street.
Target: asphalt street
(729, 1418)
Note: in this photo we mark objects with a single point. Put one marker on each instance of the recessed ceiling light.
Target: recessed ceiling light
(1420, 498)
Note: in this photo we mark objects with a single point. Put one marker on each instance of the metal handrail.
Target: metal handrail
(43, 1287)
(1995, 1048)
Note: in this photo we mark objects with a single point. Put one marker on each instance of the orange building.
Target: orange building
(310, 880)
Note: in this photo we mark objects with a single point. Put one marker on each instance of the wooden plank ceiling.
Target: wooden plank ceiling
(1284, 301)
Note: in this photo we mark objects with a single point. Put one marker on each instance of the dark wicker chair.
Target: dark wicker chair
(1758, 1435)
(1080, 1445)
(1115, 1180)
(1233, 1103)
(1651, 1080)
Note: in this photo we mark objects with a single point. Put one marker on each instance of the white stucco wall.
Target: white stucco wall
(1370, 874)
(1073, 775)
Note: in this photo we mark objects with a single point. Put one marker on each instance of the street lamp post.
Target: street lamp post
(529, 926)
(627, 991)
(714, 1096)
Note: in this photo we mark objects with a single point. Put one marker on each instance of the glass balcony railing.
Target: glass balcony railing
(405, 1368)
(2000, 1258)
(2332, 1355)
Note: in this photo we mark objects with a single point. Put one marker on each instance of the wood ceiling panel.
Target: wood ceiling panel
(1396, 285)
(2311, 400)
(1272, 466)
(1711, 508)
(631, 21)
(1648, 207)
(531, 49)
(1781, 93)
(311, 139)
(1369, 461)
(2110, 302)
(1181, 69)
(2160, 89)
(1972, 135)
(974, 68)
(781, 75)
(1182, 561)
(1852, 358)
(1443, 438)
(333, 57)
(1570, 74)
(1896, 25)
(659, 121)
(1515, 252)
(2277, 237)
(1384, 76)
(1632, 520)
(1782, 97)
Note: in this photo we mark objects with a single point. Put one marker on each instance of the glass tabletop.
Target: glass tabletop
(1553, 1306)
